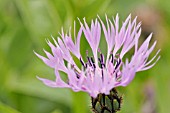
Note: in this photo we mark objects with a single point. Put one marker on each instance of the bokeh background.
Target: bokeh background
(24, 26)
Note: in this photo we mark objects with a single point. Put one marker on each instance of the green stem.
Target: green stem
(79, 102)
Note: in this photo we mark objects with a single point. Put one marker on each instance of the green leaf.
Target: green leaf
(7, 109)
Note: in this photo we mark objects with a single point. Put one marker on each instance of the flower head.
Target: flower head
(99, 73)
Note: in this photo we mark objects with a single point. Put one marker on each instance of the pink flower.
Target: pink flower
(97, 73)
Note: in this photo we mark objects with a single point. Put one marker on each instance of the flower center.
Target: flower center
(112, 65)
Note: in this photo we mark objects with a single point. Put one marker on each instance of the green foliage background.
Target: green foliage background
(24, 26)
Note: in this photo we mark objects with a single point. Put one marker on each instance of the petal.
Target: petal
(56, 83)
(128, 73)
(46, 61)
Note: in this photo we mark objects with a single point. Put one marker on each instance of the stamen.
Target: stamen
(116, 75)
(100, 62)
(94, 66)
(90, 63)
(72, 66)
(102, 57)
(103, 65)
(102, 75)
(77, 75)
(86, 65)
(118, 63)
(75, 71)
(112, 58)
(82, 62)
(92, 60)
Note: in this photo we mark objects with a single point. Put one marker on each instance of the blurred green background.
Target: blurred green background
(24, 26)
